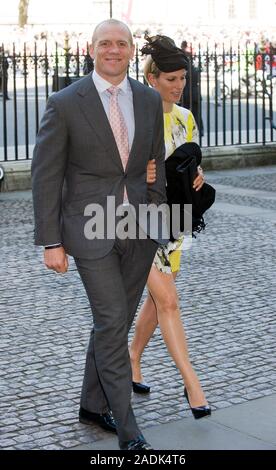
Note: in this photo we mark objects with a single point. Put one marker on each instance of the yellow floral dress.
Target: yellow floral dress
(179, 127)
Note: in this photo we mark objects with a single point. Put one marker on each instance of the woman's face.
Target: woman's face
(170, 85)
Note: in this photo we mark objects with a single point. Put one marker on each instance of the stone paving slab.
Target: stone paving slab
(227, 297)
(249, 187)
(253, 198)
(260, 178)
(249, 426)
(261, 182)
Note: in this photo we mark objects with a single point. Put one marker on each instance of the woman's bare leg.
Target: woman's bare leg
(145, 326)
(163, 290)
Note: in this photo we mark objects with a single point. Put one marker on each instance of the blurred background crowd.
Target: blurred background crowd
(203, 21)
(231, 45)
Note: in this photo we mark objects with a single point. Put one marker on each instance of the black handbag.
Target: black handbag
(181, 171)
(201, 200)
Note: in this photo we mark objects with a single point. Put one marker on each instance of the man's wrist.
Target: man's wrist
(49, 247)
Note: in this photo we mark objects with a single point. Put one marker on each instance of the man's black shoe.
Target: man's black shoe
(104, 420)
(136, 444)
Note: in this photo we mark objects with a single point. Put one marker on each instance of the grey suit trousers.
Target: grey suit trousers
(114, 285)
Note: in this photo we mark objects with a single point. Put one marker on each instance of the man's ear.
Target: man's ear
(132, 51)
(91, 51)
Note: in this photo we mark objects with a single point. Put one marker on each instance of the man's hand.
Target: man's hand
(151, 171)
(56, 259)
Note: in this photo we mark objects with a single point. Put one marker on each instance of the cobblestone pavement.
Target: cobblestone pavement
(254, 178)
(227, 295)
(247, 179)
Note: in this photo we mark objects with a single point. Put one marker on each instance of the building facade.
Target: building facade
(164, 12)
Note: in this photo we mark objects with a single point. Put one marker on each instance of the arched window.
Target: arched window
(252, 9)
(212, 9)
(232, 9)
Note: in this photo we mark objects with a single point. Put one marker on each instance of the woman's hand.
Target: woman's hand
(151, 171)
(199, 180)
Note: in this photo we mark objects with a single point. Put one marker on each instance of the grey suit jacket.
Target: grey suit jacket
(76, 162)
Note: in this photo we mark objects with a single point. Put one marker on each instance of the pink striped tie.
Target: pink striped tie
(119, 128)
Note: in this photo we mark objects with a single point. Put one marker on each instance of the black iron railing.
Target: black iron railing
(230, 91)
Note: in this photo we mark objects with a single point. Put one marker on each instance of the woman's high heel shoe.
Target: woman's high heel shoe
(199, 411)
(140, 388)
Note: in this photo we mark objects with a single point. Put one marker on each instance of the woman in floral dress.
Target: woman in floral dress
(165, 70)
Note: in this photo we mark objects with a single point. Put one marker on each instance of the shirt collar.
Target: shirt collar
(102, 85)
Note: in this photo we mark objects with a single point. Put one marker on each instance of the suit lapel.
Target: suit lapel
(92, 107)
(140, 114)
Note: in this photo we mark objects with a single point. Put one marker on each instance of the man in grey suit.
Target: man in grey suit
(77, 161)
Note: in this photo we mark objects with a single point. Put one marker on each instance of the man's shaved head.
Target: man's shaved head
(111, 22)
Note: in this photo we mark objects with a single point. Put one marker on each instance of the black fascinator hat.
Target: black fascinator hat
(166, 55)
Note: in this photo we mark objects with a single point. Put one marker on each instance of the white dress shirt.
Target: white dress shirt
(125, 101)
